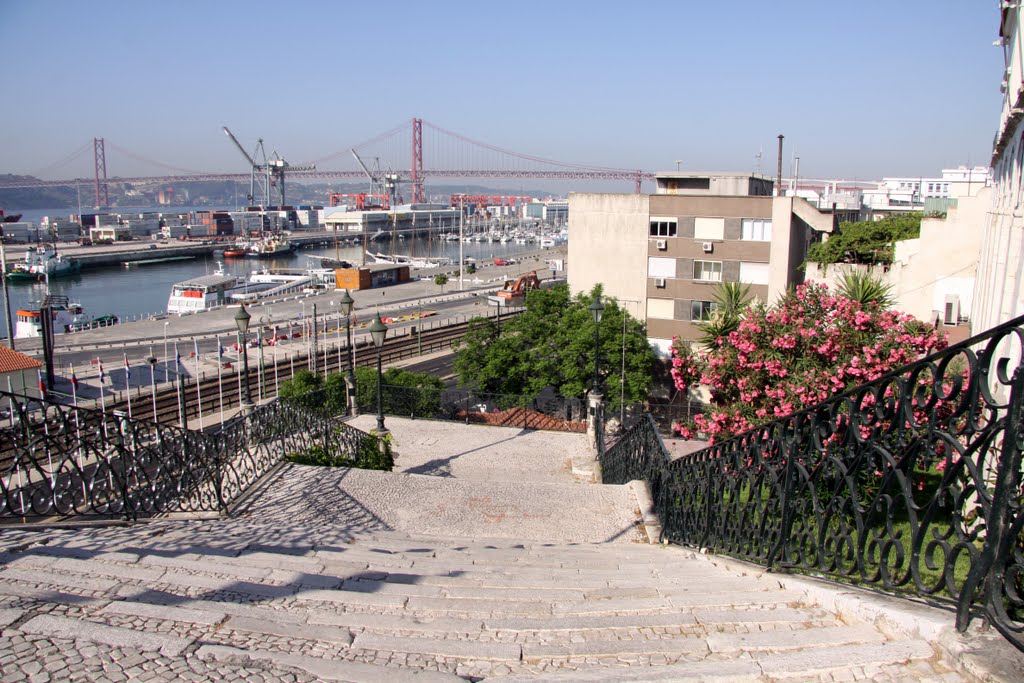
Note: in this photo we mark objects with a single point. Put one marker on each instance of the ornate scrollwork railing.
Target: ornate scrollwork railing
(911, 483)
(59, 461)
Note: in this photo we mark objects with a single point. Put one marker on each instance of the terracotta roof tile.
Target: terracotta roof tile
(12, 361)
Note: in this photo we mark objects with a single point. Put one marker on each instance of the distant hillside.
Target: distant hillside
(216, 193)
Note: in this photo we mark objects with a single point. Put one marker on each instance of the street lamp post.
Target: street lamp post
(242, 322)
(345, 305)
(596, 309)
(378, 330)
(594, 426)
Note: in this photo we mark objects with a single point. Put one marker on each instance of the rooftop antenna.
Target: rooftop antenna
(678, 163)
(760, 153)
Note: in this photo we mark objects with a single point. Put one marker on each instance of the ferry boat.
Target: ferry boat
(66, 316)
(201, 293)
(43, 263)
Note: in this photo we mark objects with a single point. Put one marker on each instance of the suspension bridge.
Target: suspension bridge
(410, 152)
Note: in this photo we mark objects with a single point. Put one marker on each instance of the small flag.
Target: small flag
(103, 375)
(127, 370)
(42, 386)
(74, 379)
(220, 347)
(177, 355)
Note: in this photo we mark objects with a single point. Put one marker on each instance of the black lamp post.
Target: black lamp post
(345, 304)
(242, 322)
(378, 330)
(151, 359)
(596, 309)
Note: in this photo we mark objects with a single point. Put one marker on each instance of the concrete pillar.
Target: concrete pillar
(595, 404)
(350, 393)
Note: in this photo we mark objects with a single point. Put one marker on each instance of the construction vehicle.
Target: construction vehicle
(514, 291)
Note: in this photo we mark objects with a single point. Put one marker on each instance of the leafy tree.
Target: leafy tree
(783, 358)
(441, 280)
(551, 344)
(866, 289)
(403, 392)
(302, 388)
(867, 242)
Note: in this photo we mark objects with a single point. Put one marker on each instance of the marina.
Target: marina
(131, 293)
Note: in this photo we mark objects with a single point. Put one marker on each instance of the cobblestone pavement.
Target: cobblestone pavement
(361, 576)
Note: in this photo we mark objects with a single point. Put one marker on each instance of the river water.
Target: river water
(138, 292)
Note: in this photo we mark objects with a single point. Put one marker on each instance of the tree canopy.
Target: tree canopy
(551, 344)
(867, 242)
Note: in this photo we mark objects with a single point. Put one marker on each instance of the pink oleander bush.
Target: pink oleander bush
(783, 358)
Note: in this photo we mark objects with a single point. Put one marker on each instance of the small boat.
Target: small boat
(269, 247)
(41, 264)
(411, 261)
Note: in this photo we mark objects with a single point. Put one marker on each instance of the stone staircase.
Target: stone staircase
(272, 595)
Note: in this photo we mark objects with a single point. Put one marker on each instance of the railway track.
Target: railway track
(226, 391)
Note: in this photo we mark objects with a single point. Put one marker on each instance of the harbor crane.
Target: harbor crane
(381, 183)
(265, 174)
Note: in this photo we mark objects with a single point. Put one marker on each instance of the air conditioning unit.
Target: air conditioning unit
(659, 282)
(708, 247)
(662, 245)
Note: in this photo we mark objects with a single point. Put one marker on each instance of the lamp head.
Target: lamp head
(345, 303)
(242, 319)
(378, 330)
(596, 309)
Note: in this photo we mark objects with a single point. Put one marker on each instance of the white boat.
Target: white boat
(411, 261)
(66, 316)
(269, 247)
(42, 263)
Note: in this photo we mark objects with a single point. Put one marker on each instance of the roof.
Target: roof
(207, 281)
(12, 361)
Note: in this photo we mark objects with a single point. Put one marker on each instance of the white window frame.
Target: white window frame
(756, 230)
(707, 268)
(708, 306)
(662, 226)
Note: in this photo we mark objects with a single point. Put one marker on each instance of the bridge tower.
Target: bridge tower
(417, 161)
(102, 199)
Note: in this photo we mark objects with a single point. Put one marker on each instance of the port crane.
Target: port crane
(267, 173)
(381, 183)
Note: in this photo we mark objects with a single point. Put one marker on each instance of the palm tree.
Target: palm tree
(866, 289)
(730, 305)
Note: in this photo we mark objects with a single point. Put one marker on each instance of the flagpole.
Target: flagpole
(220, 378)
(128, 383)
(103, 399)
(78, 429)
(152, 382)
(199, 394)
(180, 387)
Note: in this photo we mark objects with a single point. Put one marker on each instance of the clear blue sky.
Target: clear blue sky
(860, 90)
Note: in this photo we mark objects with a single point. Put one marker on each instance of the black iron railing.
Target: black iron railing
(911, 483)
(59, 461)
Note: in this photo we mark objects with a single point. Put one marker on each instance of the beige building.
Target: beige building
(933, 276)
(663, 255)
(999, 294)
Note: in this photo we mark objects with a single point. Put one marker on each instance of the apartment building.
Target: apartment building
(662, 255)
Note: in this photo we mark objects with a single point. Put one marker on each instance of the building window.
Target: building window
(754, 273)
(663, 227)
(707, 271)
(709, 228)
(661, 267)
(756, 230)
(661, 308)
(702, 310)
